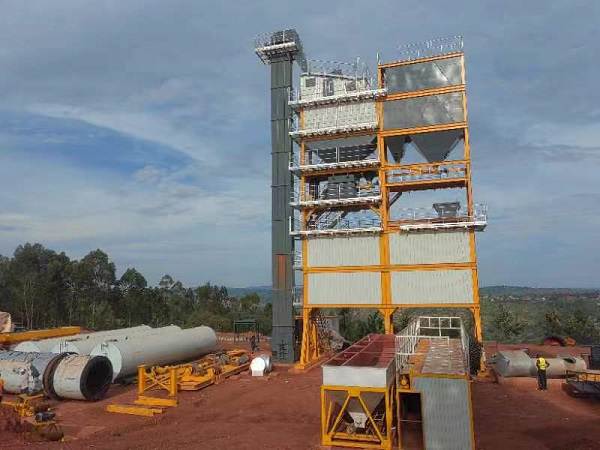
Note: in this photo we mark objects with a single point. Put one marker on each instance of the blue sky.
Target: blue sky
(141, 128)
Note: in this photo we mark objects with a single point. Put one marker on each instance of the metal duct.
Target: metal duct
(46, 345)
(38, 362)
(517, 363)
(59, 376)
(18, 377)
(85, 346)
(80, 377)
(156, 349)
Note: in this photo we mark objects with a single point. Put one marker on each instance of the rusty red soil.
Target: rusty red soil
(282, 412)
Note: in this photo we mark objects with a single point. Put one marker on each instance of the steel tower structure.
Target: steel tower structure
(280, 49)
(382, 207)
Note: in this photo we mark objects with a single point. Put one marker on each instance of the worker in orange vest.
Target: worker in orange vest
(542, 365)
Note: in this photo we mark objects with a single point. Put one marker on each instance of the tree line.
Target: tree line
(42, 288)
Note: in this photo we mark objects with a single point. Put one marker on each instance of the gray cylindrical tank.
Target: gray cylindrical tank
(42, 346)
(39, 362)
(517, 363)
(18, 378)
(92, 375)
(46, 345)
(80, 377)
(513, 363)
(558, 366)
(157, 349)
(85, 346)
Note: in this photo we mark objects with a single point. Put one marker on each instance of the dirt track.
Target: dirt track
(282, 412)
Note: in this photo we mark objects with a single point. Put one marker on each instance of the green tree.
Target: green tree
(93, 281)
(132, 285)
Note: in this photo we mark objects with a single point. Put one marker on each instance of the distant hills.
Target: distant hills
(264, 292)
(530, 291)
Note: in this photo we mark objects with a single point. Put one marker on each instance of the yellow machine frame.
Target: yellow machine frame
(190, 376)
(379, 438)
(311, 350)
(33, 335)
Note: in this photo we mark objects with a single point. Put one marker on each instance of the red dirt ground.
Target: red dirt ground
(282, 412)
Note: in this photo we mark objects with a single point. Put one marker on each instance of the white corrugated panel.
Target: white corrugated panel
(430, 248)
(353, 288)
(447, 423)
(432, 286)
(327, 116)
(343, 251)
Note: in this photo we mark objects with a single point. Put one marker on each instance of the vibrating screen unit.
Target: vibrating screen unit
(280, 49)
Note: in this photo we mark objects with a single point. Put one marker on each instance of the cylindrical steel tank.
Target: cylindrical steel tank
(39, 362)
(85, 346)
(46, 345)
(558, 366)
(157, 349)
(517, 363)
(80, 377)
(18, 378)
(59, 376)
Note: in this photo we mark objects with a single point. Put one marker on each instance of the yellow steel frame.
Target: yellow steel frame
(24, 405)
(189, 377)
(588, 377)
(376, 435)
(13, 338)
(311, 349)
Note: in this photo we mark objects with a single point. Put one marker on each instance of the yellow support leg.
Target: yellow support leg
(133, 410)
(153, 401)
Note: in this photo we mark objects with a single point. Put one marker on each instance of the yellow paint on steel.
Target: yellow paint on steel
(394, 306)
(426, 129)
(34, 335)
(425, 92)
(154, 401)
(391, 267)
(133, 410)
(381, 437)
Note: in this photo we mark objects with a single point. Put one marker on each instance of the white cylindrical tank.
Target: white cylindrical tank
(42, 346)
(156, 349)
(85, 346)
(18, 378)
(261, 365)
(46, 345)
(80, 377)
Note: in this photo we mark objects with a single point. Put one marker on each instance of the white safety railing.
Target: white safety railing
(336, 158)
(429, 218)
(429, 327)
(433, 47)
(332, 194)
(348, 91)
(352, 70)
(335, 224)
(427, 173)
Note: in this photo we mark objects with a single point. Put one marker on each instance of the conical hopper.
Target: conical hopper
(437, 146)
(355, 408)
